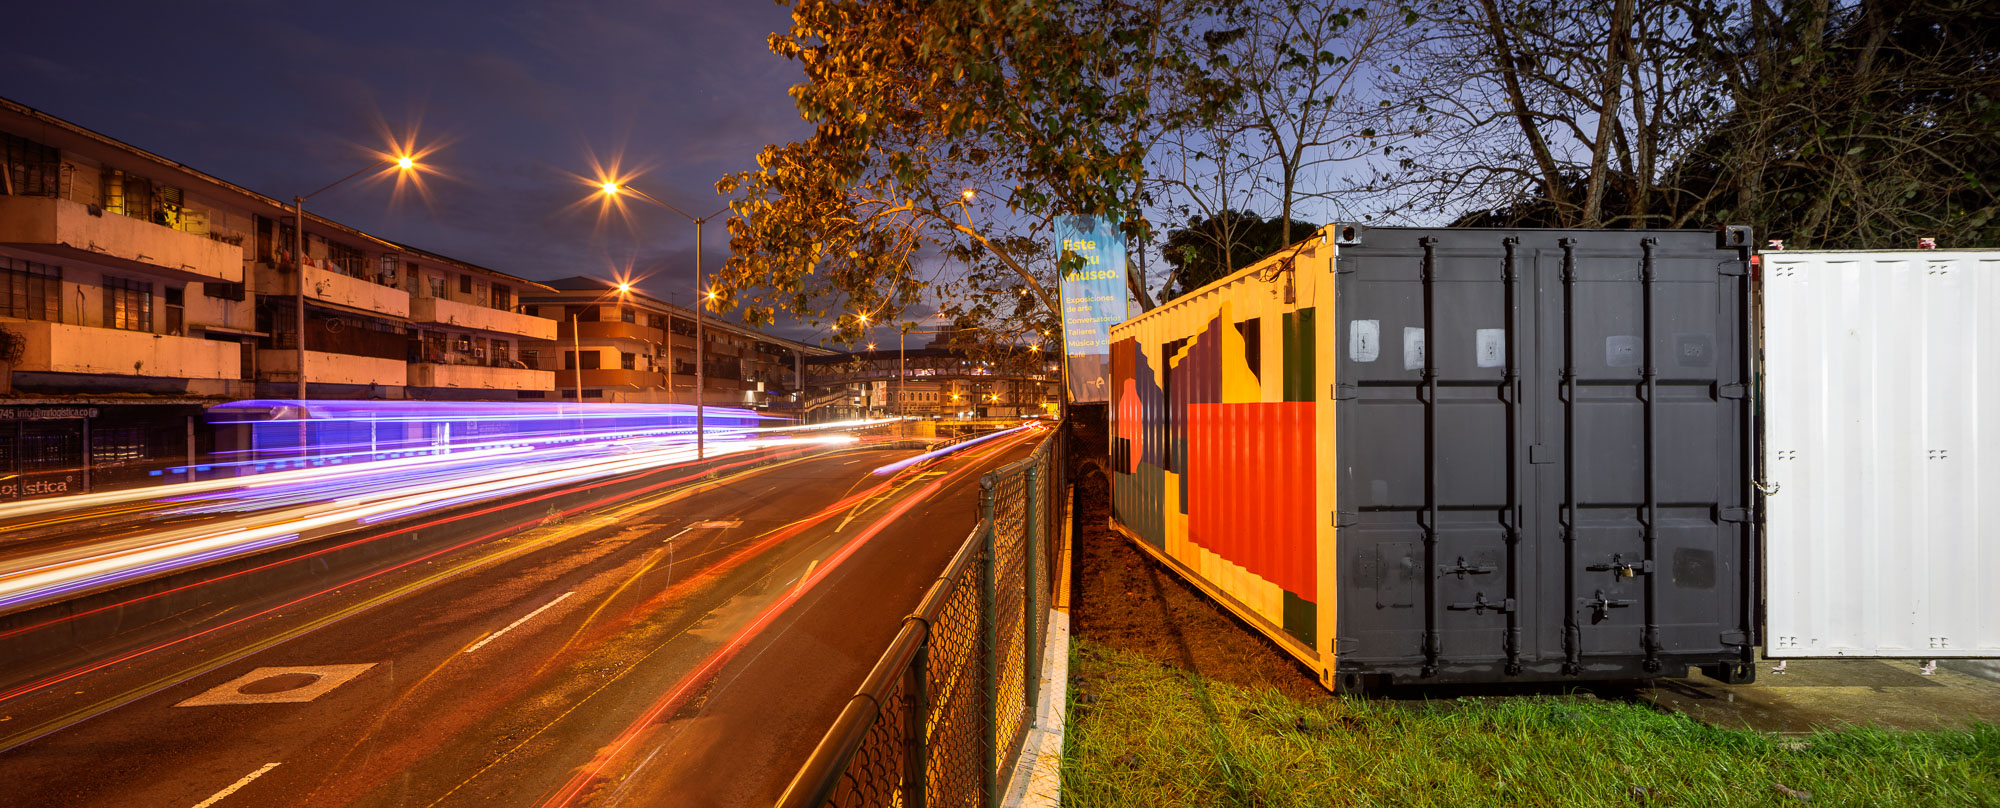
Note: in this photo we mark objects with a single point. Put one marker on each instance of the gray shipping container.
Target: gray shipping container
(1546, 453)
(1458, 455)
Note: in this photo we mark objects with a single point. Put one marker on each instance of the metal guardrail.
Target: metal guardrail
(940, 716)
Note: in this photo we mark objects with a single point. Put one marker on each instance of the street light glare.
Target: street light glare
(405, 163)
(610, 188)
(624, 287)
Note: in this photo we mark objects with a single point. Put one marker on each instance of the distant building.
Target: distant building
(613, 346)
(935, 382)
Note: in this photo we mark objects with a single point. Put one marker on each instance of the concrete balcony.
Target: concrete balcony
(347, 291)
(611, 330)
(68, 230)
(282, 365)
(480, 318)
(59, 348)
(480, 377)
(612, 377)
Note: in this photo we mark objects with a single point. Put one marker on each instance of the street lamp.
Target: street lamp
(613, 188)
(403, 163)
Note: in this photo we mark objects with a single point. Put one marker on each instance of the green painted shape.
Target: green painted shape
(1301, 354)
(1302, 619)
(1139, 501)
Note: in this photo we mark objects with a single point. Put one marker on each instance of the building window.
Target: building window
(348, 260)
(590, 360)
(223, 291)
(128, 305)
(175, 300)
(464, 284)
(30, 290)
(503, 298)
(32, 168)
(438, 288)
(627, 315)
(388, 271)
(628, 361)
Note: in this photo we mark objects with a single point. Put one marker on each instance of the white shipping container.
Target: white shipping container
(1882, 453)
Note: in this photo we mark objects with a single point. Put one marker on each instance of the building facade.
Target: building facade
(933, 382)
(614, 346)
(135, 290)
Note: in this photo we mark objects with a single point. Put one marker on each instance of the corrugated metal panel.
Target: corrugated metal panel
(1882, 406)
(1216, 439)
(1543, 450)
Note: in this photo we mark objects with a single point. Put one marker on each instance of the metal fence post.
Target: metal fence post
(989, 629)
(1031, 545)
(916, 763)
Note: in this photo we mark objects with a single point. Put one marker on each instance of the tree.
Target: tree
(940, 128)
(1206, 250)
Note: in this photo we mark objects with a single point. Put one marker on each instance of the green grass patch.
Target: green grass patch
(1140, 733)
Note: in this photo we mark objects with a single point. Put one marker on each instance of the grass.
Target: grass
(1140, 733)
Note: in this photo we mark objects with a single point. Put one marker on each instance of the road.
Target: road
(686, 648)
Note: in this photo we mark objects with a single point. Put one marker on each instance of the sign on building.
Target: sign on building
(1093, 299)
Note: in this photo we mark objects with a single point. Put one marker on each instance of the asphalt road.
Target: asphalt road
(688, 648)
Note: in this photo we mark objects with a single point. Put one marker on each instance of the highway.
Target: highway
(684, 646)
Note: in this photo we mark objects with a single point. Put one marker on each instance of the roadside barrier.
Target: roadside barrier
(939, 719)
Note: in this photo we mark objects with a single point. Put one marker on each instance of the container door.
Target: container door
(1543, 442)
(1880, 382)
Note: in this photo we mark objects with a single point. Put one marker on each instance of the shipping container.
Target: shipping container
(1416, 455)
(1881, 394)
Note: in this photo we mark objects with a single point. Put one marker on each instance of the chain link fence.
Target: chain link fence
(941, 716)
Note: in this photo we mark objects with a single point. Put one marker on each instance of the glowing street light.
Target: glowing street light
(405, 162)
(611, 187)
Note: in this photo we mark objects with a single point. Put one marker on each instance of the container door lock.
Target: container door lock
(1623, 568)
(1462, 569)
(1601, 606)
(1480, 604)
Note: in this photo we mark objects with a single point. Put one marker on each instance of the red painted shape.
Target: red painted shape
(1250, 489)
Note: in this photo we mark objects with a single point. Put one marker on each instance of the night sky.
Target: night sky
(518, 96)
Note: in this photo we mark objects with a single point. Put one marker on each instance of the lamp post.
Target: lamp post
(614, 188)
(402, 163)
(576, 336)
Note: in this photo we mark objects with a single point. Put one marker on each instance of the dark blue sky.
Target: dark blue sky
(285, 97)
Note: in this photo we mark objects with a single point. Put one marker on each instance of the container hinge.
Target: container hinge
(1736, 638)
(1340, 392)
(1462, 569)
(1734, 267)
(1736, 391)
(1625, 569)
(1539, 454)
(1601, 606)
(1734, 515)
(1343, 265)
(1480, 605)
(1344, 518)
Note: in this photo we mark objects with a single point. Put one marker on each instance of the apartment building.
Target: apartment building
(135, 290)
(934, 381)
(615, 346)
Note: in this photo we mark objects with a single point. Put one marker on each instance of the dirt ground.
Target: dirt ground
(1124, 599)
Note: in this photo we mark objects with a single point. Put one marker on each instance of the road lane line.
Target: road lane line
(808, 573)
(234, 786)
(511, 626)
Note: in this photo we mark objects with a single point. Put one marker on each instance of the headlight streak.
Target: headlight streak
(578, 783)
(100, 664)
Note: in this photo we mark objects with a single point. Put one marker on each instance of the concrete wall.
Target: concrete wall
(282, 365)
(429, 374)
(45, 221)
(425, 309)
(346, 290)
(63, 348)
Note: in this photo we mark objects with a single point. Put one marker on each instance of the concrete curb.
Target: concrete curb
(1037, 781)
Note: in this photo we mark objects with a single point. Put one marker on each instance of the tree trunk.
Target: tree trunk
(1504, 58)
(1607, 110)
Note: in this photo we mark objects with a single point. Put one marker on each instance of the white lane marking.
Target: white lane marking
(670, 539)
(510, 626)
(234, 786)
(322, 679)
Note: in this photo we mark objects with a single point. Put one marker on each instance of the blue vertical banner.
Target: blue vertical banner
(1093, 300)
